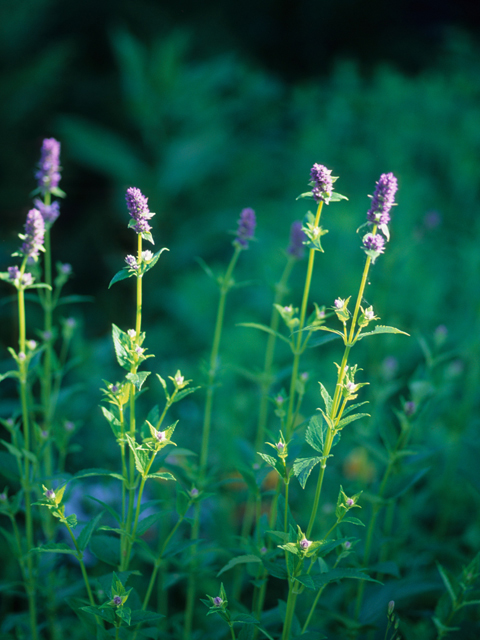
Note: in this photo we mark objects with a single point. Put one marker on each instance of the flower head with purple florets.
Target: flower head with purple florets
(137, 205)
(383, 200)
(373, 245)
(246, 228)
(48, 174)
(322, 183)
(296, 249)
(34, 235)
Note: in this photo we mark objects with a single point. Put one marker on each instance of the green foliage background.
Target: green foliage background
(204, 133)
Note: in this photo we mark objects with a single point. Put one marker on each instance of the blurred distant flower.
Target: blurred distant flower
(50, 212)
(246, 228)
(432, 219)
(295, 248)
(137, 205)
(322, 182)
(34, 234)
(383, 199)
(48, 174)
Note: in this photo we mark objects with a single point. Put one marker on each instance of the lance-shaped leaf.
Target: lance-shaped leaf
(121, 344)
(320, 580)
(239, 560)
(137, 379)
(356, 416)
(263, 327)
(316, 433)
(86, 533)
(123, 274)
(56, 547)
(302, 468)
(141, 456)
(381, 329)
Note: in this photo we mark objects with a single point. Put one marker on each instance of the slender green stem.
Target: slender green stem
(232, 632)
(298, 347)
(82, 565)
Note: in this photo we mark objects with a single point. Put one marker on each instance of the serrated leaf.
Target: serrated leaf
(307, 581)
(354, 406)
(140, 456)
(262, 327)
(162, 475)
(72, 520)
(123, 274)
(246, 632)
(302, 468)
(124, 613)
(280, 535)
(86, 533)
(316, 433)
(321, 579)
(381, 329)
(352, 520)
(322, 327)
(244, 618)
(238, 560)
(326, 398)
(352, 418)
(184, 392)
(121, 341)
(137, 379)
(86, 473)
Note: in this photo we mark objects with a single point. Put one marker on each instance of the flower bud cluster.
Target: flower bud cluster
(48, 174)
(34, 235)
(322, 183)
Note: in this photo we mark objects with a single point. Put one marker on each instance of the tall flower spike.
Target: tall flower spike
(48, 174)
(246, 228)
(322, 182)
(34, 234)
(295, 248)
(137, 205)
(383, 199)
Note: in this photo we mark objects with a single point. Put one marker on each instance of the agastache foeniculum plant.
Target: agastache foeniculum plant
(293, 555)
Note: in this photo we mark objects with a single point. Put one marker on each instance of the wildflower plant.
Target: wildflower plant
(291, 546)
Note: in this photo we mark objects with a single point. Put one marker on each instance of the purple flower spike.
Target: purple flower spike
(246, 228)
(383, 199)
(322, 182)
(34, 234)
(137, 205)
(48, 174)
(295, 248)
(50, 212)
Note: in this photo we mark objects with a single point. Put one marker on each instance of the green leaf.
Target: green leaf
(281, 536)
(238, 560)
(291, 547)
(56, 547)
(244, 618)
(263, 327)
(86, 533)
(106, 613)
(322, 327)
(184, 392)
(352, 418)
(326, 399)
(354, 406)
(11, 449)
(86, 473)
(442, 627)
(381, 329)
(75, 299)
(302, 468)
(405, 486)
(124, 613)
(145, 524)
(316, 433)
(141, 456)
(137, 379)
(154, 260)
(144, 616)
(113, 422)
(121, 344)
(352, 520)
(321, 579)
(162, 475)
(246, 632)
(307, 581)
(123, 274)
(450, 583)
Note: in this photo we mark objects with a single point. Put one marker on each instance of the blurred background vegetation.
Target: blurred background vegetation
(212, 107)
